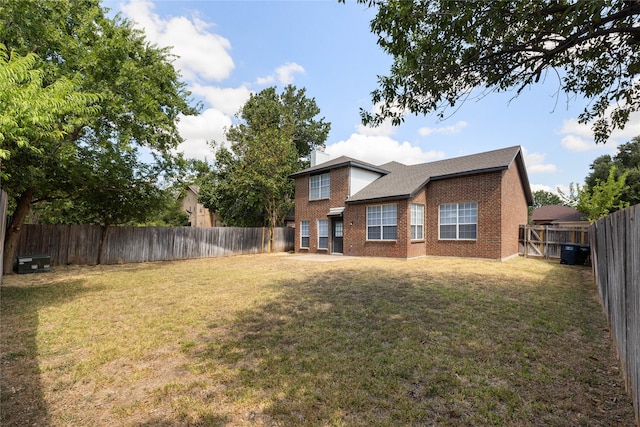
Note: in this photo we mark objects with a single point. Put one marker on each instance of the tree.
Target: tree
(627, 160)
(250, 185)
(137, 90)
(572, 198)
(544, 198)
(443, 49)
(603, 198)
(31, 112)
(117, 189)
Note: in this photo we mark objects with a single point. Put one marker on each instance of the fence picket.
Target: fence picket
(616, 267)
(80, 244)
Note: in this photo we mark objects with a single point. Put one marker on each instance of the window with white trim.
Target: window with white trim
(320, 186)
(323, 234)
(417, 222)
(458, 221)
(382, 222)
(304, 234)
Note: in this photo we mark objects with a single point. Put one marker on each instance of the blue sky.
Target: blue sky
(229, 49)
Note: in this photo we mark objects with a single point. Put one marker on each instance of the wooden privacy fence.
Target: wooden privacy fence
(615, 254)
(546, 241)
(80, 244)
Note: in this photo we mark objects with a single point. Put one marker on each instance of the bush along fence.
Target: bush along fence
(547, 241)
(615, 253)
(80, 244)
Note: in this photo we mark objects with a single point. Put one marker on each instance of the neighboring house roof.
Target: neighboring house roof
(405, 181)
(194, 188)
(556, 213)
(336, 163)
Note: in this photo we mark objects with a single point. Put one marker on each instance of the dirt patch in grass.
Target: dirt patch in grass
(264, 340)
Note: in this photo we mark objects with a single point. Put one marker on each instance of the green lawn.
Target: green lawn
(273, 340)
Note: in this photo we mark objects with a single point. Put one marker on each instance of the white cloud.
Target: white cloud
(284, 74)
(577, 143)
(202, 56)
(446, 130)
(385, 129)
(542, 168)
(227, 100)
(535, 162)
(380, 149)
(286, 71)
(264, 81)
(579, 136)
(201, 53)
(197, 130)
(540, 187)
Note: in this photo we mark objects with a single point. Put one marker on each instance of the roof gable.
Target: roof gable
(341, 161)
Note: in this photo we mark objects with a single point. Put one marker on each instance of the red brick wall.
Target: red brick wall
(417, 247)
(485, 189)
(514, 211)
(502, 208)
(313, 210)
(355, 237)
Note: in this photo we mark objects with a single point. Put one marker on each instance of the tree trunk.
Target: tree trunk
(105, 230)
(271, 238)
(14, 229)
(272, 212)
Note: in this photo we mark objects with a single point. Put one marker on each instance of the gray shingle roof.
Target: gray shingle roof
(336, 163)
(553, 213)
(404, 181)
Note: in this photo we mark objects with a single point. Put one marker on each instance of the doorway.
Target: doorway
(337, 233)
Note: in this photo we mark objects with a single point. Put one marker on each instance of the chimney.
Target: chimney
(318, 156)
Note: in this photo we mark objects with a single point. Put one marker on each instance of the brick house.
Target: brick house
(468, 206)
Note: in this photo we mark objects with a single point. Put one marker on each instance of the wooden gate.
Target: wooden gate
(546, 241)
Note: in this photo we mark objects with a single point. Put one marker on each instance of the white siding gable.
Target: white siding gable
(360, 178)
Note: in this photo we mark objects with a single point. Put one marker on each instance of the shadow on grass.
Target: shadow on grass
(352, 347)
(21, 396)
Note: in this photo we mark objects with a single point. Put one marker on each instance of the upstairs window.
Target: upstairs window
(320, 186)
(459, 221)
(382, 222)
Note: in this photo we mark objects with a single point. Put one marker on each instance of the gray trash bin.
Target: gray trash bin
(568, 254)
(583, 254)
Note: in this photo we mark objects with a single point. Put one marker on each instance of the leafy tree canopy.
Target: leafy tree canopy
(603, 198)
(443, 49)
(79, 54)
(31, 112)
(545, 198)
(250, 185)
(572, 197)
(627, 160)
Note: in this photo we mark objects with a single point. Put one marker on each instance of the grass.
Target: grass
(272, 340)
